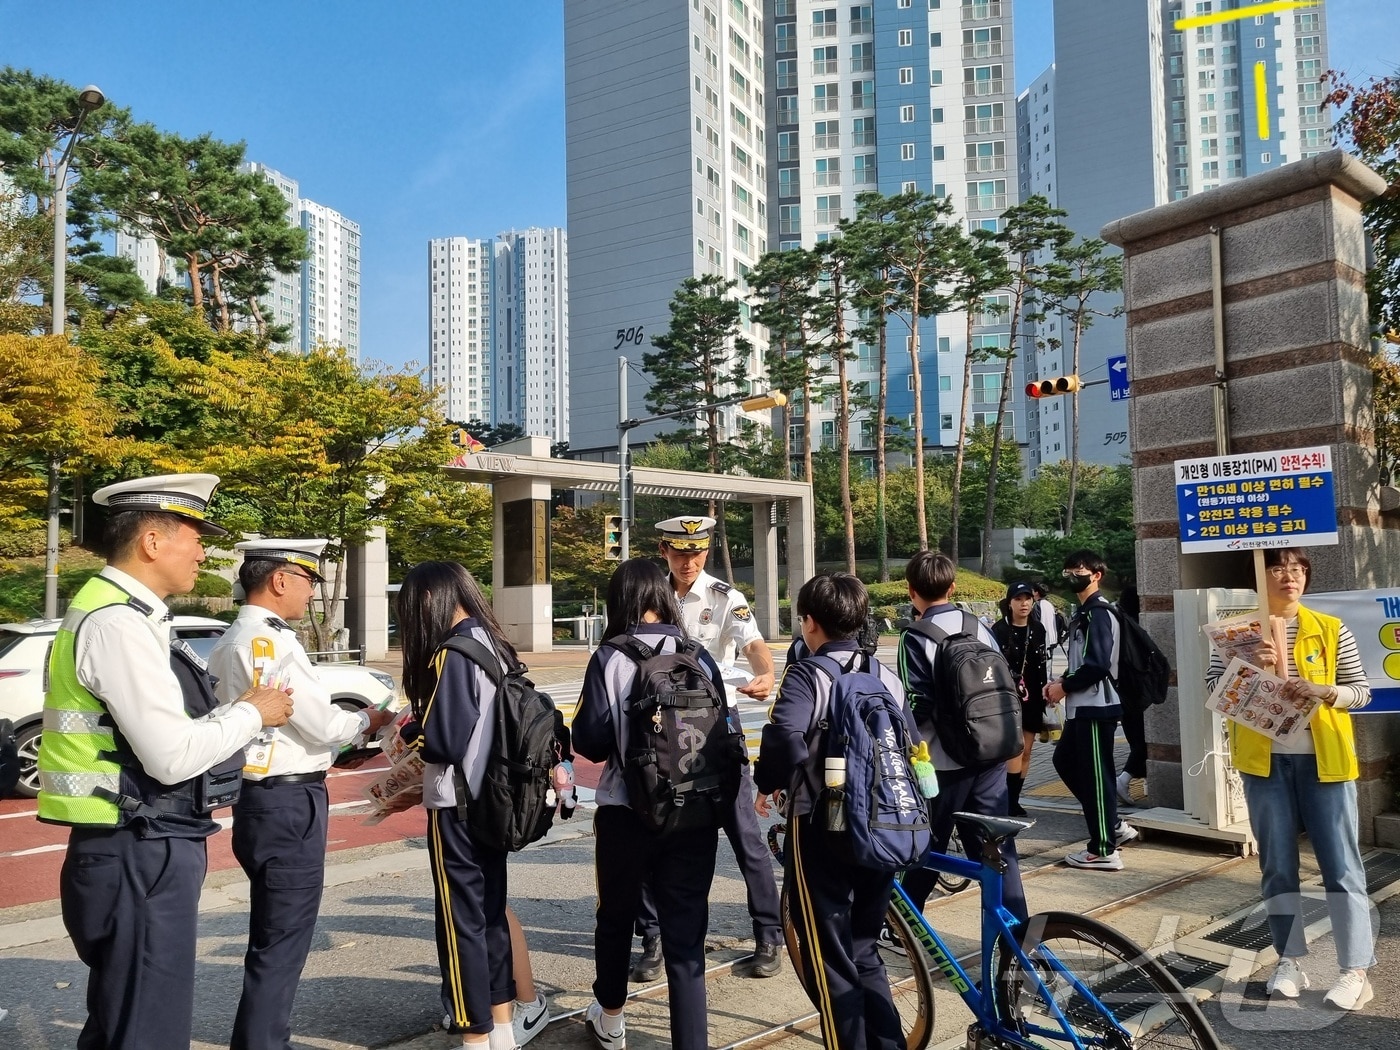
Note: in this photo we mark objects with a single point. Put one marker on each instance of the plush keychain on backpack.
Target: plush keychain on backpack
(922, 763)
(564, 793)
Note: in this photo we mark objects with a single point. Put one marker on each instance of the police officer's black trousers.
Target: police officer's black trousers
(680, 866)
(838, 912)
(755, 863)
(473, 940)
(279, 837)
(972, 789)
(131, 906)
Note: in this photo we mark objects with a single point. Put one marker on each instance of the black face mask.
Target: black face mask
(1079, 584)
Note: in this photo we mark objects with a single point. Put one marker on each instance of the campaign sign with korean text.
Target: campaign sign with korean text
(1256, 499)
(1373, 617)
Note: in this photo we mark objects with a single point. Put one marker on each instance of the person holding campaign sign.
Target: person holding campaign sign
(1307, 782)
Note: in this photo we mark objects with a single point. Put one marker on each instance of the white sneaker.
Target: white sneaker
(1289, 980)
(1085, 859)
(1124, 782)
(595, 1019)
(529, 1019)
(1123, 833)
(887, 941)
(1351, 992)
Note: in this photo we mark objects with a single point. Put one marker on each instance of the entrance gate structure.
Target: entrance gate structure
(523, 477)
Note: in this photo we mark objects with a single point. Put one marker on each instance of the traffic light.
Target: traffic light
(612, 537)
(1050, 387)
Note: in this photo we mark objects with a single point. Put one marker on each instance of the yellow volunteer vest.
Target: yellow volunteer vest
(1334, 740)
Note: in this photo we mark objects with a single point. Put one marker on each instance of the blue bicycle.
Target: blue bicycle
(1058, 980)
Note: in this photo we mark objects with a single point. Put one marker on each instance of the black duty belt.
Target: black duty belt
(288, 778)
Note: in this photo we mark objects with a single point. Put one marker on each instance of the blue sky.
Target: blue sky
(416, 119)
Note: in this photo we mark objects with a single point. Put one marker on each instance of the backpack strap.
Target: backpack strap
(930, 629)
(634, 648)
(488, 661)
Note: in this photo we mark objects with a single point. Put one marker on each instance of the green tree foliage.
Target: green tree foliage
(917, 252)
(1369, 125)
(49, 409)
(227, 228)
(36, 115)
(26, 270)
(445, 520)
(1031, 238)
(1104, 524)
(490, 434)
(1082, 273)
(579, 568)
(702, 359)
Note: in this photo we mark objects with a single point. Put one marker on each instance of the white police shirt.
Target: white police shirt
(310, 740)
(718, 616)
(123, 658)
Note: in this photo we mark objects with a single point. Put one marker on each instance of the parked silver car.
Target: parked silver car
(24, 658)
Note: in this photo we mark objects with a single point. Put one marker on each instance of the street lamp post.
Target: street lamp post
(626, 424)
(89, 99)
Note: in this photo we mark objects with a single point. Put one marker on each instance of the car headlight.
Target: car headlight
(386, 680)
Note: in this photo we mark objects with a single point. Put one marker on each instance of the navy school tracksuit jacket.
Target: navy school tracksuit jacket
(1093, 659)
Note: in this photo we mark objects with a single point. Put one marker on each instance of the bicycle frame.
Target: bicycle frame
(997, 922)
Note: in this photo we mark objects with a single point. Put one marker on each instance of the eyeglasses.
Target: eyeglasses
(1069, 574)
(305, 576)
(1283, 572)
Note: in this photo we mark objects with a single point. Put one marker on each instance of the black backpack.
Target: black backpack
(9, 757)
(683, 758)
(1143, 671)
(511, 810)
(975, 703)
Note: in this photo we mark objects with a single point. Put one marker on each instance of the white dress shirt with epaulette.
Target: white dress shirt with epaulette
(310, 740)
(718, 616)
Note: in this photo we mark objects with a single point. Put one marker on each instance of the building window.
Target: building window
(828, 171)
(829, 209)
(945, 383)
(906, 74)
(786, 73)
(906, 36)
(906, 114)
(945, 421)
(789, 184)
(863, 131)
(906, 151)
(784, 38)
(945, 345)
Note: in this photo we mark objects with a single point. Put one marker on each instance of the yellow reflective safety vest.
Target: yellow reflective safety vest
(88, 775)
(1334, 740)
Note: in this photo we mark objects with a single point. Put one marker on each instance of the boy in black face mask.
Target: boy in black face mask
(1084, 755)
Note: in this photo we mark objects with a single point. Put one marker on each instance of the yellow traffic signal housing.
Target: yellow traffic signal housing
(1050, 387)
(612, 537)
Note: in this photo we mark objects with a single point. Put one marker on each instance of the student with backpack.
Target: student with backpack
(840, 716)
(1084, 754)
(655, 712)
(454, 701)
(968, 709)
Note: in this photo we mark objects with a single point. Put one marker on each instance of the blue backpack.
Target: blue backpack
(886, 815)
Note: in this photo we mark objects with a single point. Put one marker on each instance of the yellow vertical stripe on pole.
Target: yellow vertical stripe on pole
(1261, 98)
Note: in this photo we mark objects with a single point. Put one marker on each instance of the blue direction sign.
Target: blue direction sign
(1256, 499)
(1118, 379)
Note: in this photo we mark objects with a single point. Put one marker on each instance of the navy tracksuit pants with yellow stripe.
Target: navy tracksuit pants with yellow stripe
(473, 940)
(838, 910)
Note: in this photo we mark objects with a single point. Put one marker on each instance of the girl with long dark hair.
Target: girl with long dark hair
(680, 864)
(1021, 637)
(454, 709)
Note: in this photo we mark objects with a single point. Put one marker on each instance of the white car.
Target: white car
(24, 659)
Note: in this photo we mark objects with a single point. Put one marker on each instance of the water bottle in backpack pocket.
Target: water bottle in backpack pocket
(860, 731)
(684, 755)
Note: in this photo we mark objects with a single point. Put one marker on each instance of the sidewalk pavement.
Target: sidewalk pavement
(372, 977)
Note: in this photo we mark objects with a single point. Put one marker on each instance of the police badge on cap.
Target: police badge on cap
(686, 533)
(184, 495)
(305, 554)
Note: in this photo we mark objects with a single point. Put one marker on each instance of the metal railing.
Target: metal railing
(984, 49)
(977, 12)
(974, 88)
(985, 126)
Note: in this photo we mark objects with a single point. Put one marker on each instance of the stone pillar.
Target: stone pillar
(522, 595)
(765, 568)
(367, 596)
(1296, 344)
(801, 544)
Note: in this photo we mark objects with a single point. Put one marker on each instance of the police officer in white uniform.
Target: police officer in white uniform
(135, 757)
(280, 822)
(718, 616)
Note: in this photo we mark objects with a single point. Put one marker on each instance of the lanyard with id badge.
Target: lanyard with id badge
(265, 673)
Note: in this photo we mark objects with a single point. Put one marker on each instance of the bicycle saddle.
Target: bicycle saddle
(996, 828)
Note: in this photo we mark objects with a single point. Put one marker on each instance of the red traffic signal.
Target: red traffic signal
(1050, 387)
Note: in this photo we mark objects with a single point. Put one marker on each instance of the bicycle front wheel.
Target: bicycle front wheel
(1126, 988)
